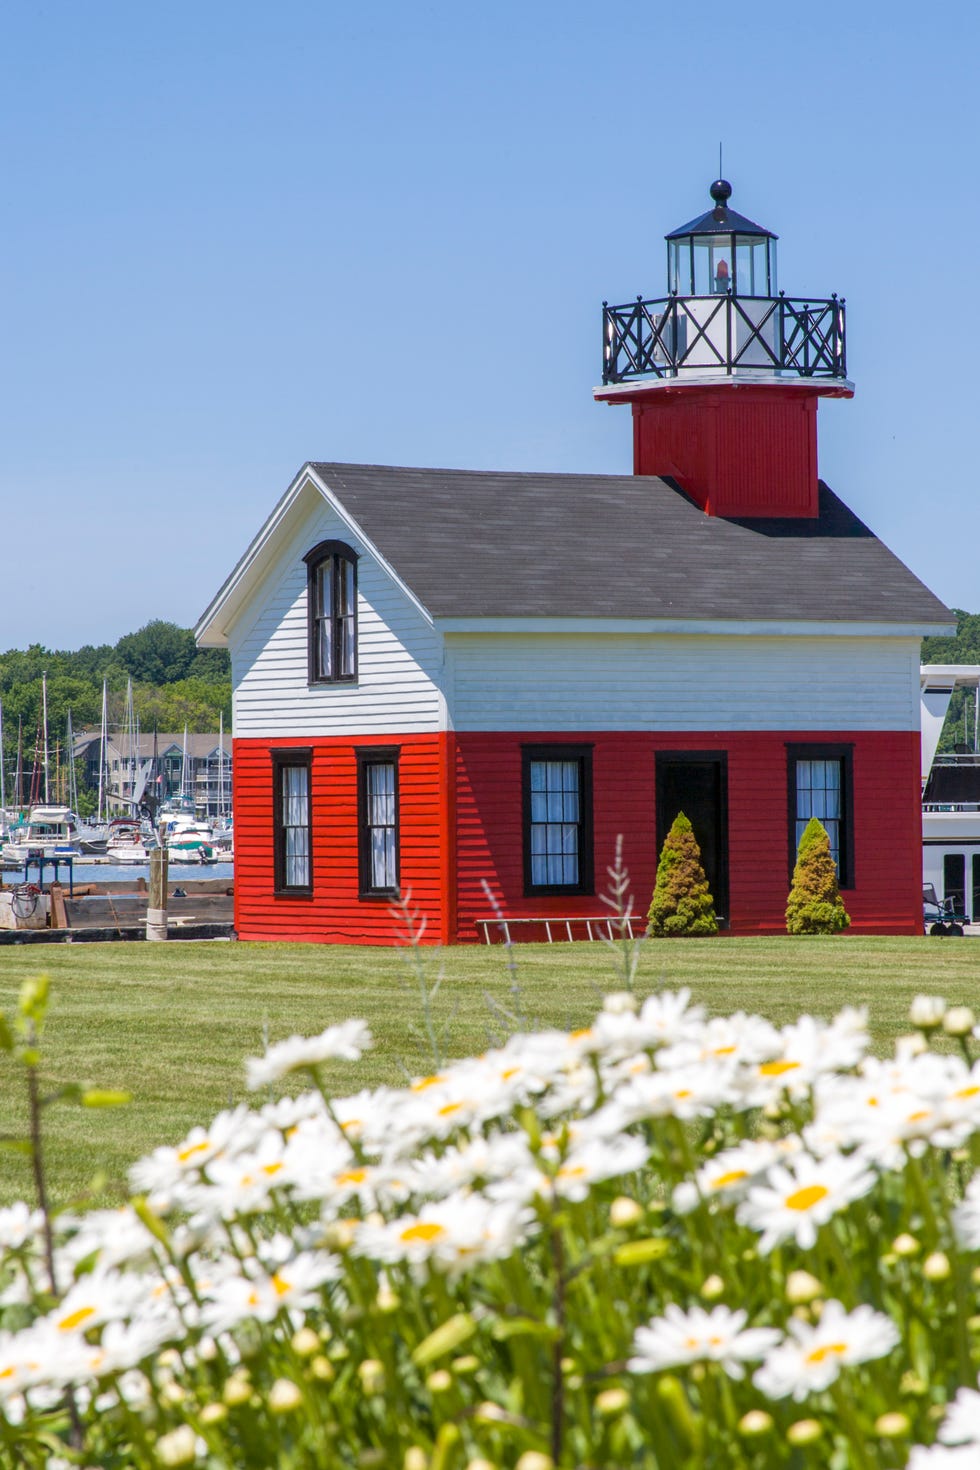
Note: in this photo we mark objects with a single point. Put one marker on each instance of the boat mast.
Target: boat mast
(3, 788)
(70, 757)
(44, 707)
(103, 816)
(221, 763)
(19, 774)
(183, 768)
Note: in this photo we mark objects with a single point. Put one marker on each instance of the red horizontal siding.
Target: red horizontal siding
(460, 814)
(885, 898)
(334, 912)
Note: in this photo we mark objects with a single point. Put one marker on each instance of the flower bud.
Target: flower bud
(535, 1460)
(959, 1021)
(468, 1363)
(620, 1003)
(611, 1401)
(207, 1350)
(936, 1267)
(372, 1375)
(912, 1385)
(802, 1287)
(712, 1287)
(892, 1426)
(284, 1396)
(322, 1369)
(213, 1413)
(415, 1458)
(755, 1423)
(305, 1342)
(624, 1212)
(372, 1459)
(926, 1012)
(906, 1245)
(913, 1044)
(480, 1465)
(236, 1391)
(387, 1299)
(179, 1447)
(440, 1381)
(171, 1394)
(804, 1431)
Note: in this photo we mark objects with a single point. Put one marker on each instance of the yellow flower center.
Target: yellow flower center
(829, 1350)
(186, 1154)
(426, 1082)
(732, 1177)
(271, 1169)
(75, 1319)
(805, 1199)
(776, 1069)
(967, 1092)
(280, 1285)
(583, 1031)
(448, 1108)
(423, 1230)
(571, 1171)
(351, 1176)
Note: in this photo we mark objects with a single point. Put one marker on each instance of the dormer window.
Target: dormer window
(332, 604)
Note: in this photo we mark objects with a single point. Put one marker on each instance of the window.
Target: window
(821, 786)
(954, 880)
(557, 781)
(292, 821)
(332, 613)
(377, 805)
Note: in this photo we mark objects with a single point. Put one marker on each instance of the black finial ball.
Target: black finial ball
(720, 191)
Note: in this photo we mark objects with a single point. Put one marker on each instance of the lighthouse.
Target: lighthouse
(724, 373)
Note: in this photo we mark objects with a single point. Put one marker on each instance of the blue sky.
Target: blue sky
(237, 236)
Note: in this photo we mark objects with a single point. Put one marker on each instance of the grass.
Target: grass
(172, 1023)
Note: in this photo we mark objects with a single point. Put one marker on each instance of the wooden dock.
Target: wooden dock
(98, 912)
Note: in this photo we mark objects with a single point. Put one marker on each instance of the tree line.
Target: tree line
(960, 725)
(175, 683)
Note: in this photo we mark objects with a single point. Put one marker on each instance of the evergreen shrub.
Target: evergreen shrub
(815, 905)
(682, 903)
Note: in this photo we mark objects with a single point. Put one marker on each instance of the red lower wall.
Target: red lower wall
(467, 821)
(334, 912)
(887, 892)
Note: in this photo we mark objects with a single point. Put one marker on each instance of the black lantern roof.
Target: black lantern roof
(721, 220)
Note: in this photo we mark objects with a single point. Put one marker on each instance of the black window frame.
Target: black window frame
(368, 756)
(818, 751)
(530, 753)
(339, 554)
(284, 758)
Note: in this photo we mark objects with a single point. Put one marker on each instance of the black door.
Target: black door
(696, 783)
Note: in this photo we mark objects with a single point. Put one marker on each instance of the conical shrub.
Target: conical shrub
(682, 902)
(815, 905)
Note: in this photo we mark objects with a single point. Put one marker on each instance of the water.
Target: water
(182, 873)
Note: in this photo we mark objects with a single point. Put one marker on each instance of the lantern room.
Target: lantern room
(724, 374)
(721, 251)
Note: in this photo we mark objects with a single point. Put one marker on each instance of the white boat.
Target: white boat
(49, 832)
(191, 845)
(127, 843)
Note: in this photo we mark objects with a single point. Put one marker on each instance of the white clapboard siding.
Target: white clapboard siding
(682, 682)
(399, 653)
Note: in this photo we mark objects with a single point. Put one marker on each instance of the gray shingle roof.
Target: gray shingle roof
(475, 543)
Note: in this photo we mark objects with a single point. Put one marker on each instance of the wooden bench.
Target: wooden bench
(596, 926)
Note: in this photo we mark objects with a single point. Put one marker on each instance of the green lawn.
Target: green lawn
(172, 1023)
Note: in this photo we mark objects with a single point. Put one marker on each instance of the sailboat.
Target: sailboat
(188, 839)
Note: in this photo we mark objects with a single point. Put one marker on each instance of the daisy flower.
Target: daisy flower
(796, 1199)
(941, 1457)
(346, 1042)
(966, 1216)
(962, 1422)
(810, 1359)
(718, 1336)
(453, 1234)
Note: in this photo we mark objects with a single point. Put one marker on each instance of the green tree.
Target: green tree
(160, 653)
(964, 648)
(682, 902)
(815, 905)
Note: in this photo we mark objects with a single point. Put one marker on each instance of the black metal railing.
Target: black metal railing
(722, 334)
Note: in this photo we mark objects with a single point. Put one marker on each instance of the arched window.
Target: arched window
(332, 610)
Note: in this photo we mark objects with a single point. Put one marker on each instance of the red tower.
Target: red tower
(724, 374)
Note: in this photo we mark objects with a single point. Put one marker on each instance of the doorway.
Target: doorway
(695, 782)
